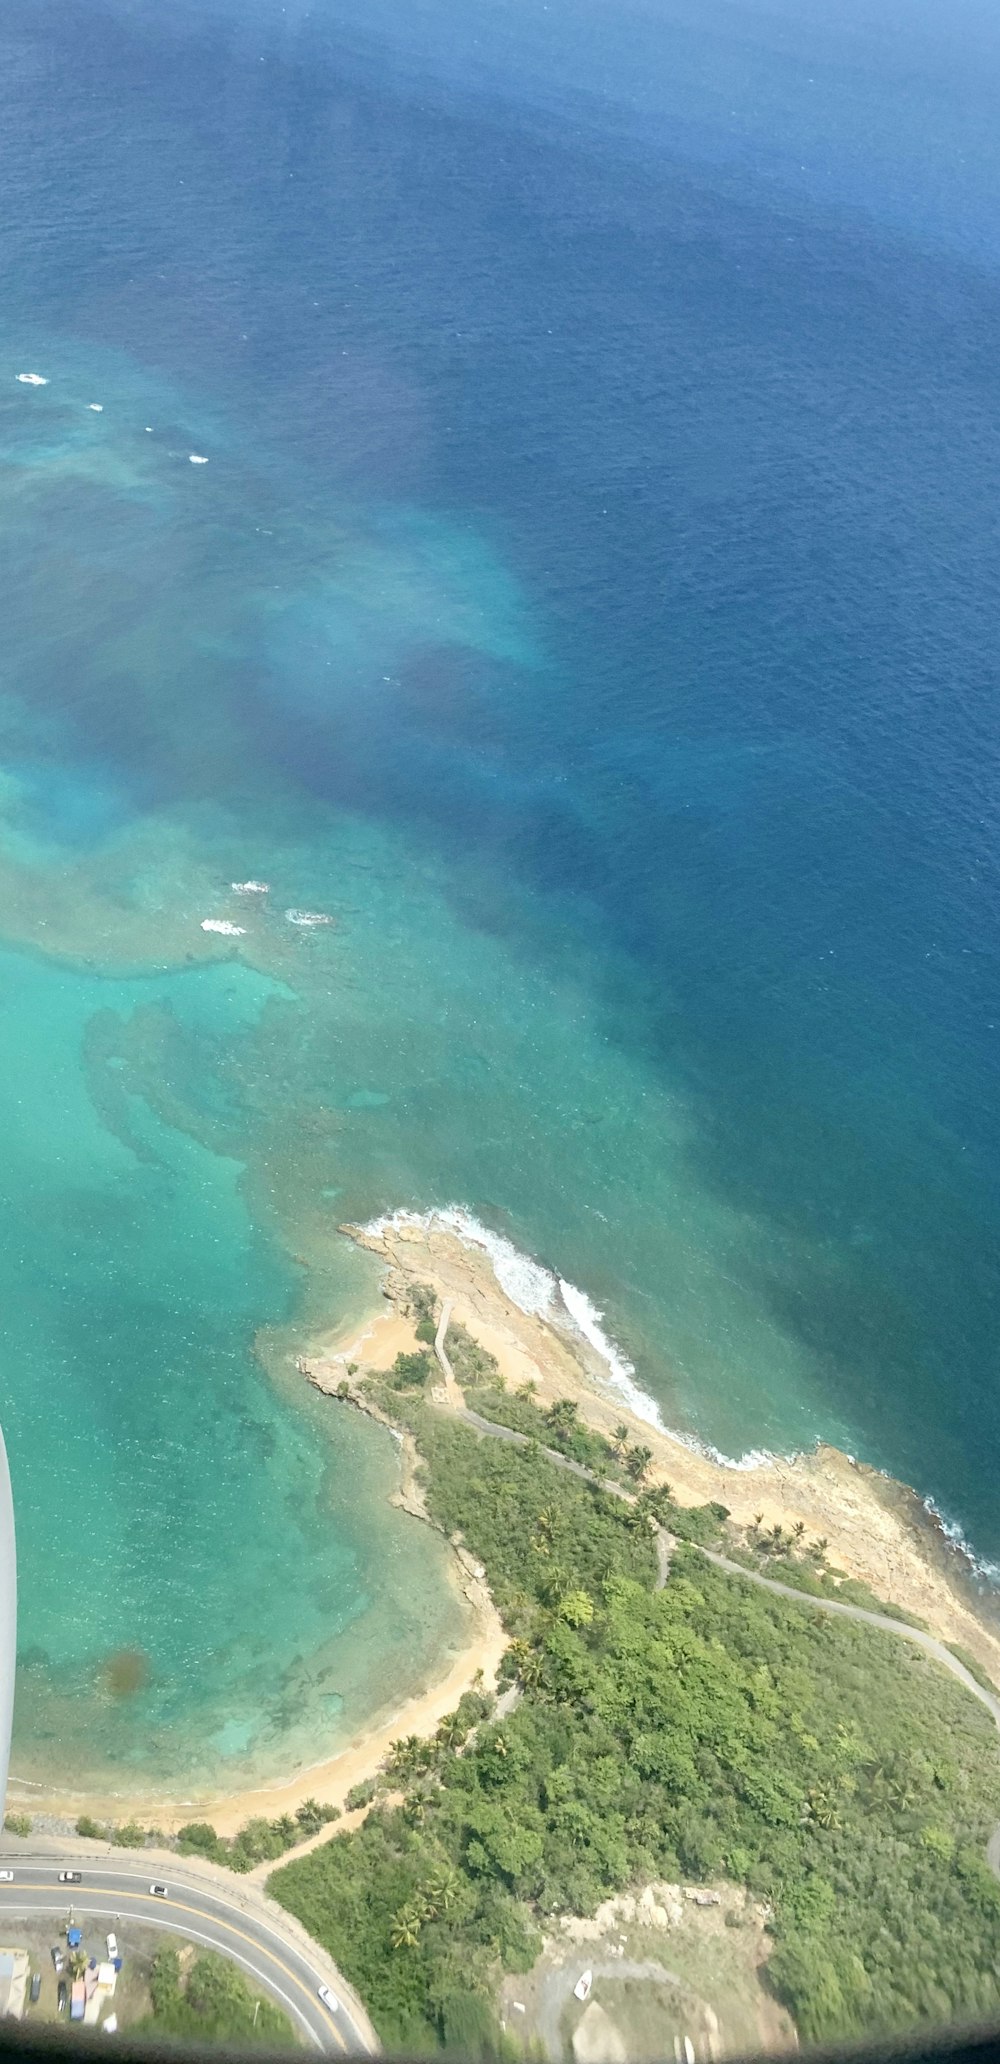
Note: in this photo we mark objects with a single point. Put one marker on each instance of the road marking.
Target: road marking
(8, 1896)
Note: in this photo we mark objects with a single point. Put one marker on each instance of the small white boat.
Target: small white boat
(222, 924)
(250, 888)
(96, 407)
(33, 379)
(196, 459)
(308, 917)
(583, 1985)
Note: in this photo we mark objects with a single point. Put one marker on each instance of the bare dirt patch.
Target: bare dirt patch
(665, 1970)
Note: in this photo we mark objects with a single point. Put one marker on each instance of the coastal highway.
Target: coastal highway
(116, 1894)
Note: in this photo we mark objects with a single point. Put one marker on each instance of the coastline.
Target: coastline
(878, 1531)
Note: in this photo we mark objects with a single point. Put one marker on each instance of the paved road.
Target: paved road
(665, 1545)
(117, 1893)
(883, 1621)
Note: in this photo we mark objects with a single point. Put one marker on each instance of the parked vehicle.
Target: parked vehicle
(58, 1960)
(62, 1996)
(6, 1877)
(36, 1986)
(112, 1946)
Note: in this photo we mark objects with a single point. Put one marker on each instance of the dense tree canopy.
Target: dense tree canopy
(699, 1731)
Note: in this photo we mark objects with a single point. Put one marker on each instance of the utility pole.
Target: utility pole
(8, 1619)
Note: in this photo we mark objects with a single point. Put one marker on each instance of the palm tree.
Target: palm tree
(441, 1891)
(638, 1463)
(799, 1529)
(620, 1438)
(758, 1521)
(451, 1733)
(528, 1390)
(562, 1416)
(404, 1930)
(531, 1668)
(819, 1548)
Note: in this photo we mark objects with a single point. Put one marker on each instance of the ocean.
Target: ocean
(586, 599)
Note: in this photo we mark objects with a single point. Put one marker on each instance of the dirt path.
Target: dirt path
(666, 1545)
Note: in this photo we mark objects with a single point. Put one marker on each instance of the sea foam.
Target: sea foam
(540, 1293)
(536, 1291)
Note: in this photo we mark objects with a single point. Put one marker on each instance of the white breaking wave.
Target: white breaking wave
(251, 888)
(989, 1571)
(222, 924)
(308, 917)
(33, 379)
(97, 407)
(536, 1291)
(539, 1293)
(196, 459)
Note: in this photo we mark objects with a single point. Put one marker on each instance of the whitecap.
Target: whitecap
(308, 917)
(196, 459)
(989, 1571)
(33, 379)
(541, 1294)
(222, 924)
(97, 407)
(250, 888)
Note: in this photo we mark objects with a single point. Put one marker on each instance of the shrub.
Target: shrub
(412, 1371)
(361, 1794)
(18, 1823)
(129, 1836)
(90, 1828)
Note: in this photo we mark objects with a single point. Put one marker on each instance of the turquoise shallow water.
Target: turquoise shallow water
(587, 602)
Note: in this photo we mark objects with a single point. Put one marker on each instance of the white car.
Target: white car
(6, 1877)
(71, 1877)
(329, 1998)
(112, 1947)
(158, 1891)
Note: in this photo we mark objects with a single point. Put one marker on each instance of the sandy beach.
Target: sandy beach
(877, 1530)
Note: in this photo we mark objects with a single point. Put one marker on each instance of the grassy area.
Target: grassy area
(974, 1667)
(199, 1996)
(707, 1730)
(205, 1999)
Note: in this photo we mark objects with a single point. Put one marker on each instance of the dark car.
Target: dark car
(62, 1996)
(36, 1986)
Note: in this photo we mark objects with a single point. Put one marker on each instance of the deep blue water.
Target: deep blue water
(603, 413)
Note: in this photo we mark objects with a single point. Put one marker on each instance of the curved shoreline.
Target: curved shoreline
(879, 1531)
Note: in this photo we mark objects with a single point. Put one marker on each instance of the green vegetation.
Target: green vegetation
(361, 1794)
(701, 1730)
(791, 1560)
(129, 1836)
(18, 1823)
(558, 1427)
(212, 2004)
(411, 1371)
(91, 1828)
(973, 1665)
(474, 1367)
(258, 1841)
